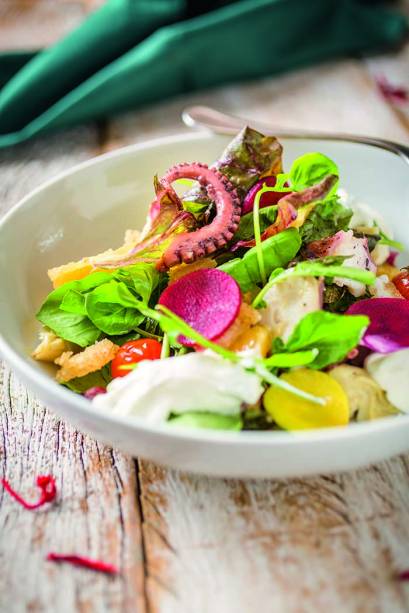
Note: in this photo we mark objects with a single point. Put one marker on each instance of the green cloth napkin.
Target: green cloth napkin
(134, 52)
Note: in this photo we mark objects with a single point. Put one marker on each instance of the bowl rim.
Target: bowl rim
(51, 389)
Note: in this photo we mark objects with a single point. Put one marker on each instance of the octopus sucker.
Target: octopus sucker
(190, 246)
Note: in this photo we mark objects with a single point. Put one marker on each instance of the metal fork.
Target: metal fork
(222, 123)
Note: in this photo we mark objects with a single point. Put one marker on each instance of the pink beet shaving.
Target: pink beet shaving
(389, 327)
(208, 300)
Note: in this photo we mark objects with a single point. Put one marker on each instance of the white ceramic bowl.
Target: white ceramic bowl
(86, 210)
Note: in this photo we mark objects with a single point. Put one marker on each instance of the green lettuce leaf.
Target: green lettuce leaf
(277, 250)
(327, 218)
(333, 335)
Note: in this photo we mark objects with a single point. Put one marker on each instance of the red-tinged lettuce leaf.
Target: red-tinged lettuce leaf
(249, 156)
(290, 206)
(389, 327)
(167, 219)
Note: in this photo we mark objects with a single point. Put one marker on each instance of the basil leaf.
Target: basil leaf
(327, 218)
(267, 216)
(212, 421)
(113, 308)
(277, 250)
(385, 240)
(72, 326)
(74, 302)
(101, 302)
(141, 278)
(333, 335)
(310, 169)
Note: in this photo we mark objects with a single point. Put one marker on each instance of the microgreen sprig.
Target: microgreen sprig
(317, 268)
(175, 326)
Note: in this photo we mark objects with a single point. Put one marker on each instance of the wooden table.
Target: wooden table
(186, 543)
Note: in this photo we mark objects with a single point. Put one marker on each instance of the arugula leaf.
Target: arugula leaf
(385, 240)
(316, 268)
(267, 216)
(74, 326)
(212, 421)
(257, 233)
(333, 335)
(277, 251)
(289, 360)
(327, 218)
(311, 168)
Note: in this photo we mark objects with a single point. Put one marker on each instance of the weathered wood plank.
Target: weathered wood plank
(329, 543)
(98, 509)
(222, 545)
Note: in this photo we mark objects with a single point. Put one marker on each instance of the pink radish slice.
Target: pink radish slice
(389, 327)
(208, 300)
(267, 199)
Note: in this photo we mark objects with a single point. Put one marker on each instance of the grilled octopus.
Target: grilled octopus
(190, 246)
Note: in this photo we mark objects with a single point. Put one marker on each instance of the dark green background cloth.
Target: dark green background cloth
(134, 52)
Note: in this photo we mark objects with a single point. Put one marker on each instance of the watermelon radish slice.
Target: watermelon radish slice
(208, 300)
(389, 327)
(267, 199)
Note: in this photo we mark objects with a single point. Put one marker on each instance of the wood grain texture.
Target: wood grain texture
(328, 543)
(97, 513)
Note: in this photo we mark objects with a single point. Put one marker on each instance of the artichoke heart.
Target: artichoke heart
(367, 400)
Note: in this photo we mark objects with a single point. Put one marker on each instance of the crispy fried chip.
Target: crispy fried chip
(91, 359)
(50, 347)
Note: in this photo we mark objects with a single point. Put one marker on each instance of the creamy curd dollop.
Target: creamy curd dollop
(391, 371)
(199, 381)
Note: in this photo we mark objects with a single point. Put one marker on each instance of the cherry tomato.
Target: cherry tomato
(401, 282)
(133, 352)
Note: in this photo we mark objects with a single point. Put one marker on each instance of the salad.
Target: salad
(253, 299)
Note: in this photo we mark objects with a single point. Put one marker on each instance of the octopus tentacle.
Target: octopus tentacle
(190, 246)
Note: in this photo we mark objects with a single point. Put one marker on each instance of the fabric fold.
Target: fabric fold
(130, 53)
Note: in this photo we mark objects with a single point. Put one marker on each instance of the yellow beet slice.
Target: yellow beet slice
(293, 413)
